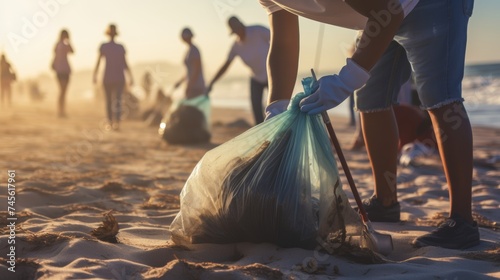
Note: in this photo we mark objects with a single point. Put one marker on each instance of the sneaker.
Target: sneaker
(115, 126)
(454, 233)
(108, 127)
(378, 213)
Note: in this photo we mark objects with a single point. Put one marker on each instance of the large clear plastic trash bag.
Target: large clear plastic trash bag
(187, 122)
(277, 182)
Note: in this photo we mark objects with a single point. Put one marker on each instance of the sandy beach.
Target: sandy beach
(75, 181)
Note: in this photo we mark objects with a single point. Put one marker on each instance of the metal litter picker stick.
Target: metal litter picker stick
(378, 242)
(343, 162)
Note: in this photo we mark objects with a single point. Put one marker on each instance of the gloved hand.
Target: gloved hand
(334, 89)
(276, 108)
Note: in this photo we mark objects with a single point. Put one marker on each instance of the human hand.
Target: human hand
(94, 79)
(334, 89)
(276, 108)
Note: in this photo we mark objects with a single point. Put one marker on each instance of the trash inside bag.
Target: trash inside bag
(187, 122)
(277, 182)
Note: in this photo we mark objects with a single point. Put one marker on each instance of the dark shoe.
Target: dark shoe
(379, 213)
(454, 233)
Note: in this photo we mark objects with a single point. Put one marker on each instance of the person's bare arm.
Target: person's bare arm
(179, 82)
(70, 48)
(384, 19)
(96, 69)
(221, 72)
(283, 57)
(127, 69)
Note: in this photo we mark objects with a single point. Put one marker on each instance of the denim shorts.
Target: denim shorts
(431, 42)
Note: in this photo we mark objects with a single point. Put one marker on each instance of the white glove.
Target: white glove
(334, 89)
(276, 108)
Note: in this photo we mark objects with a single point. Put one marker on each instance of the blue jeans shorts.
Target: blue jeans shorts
(431, 42)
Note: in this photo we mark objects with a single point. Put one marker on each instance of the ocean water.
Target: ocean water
(481, 91)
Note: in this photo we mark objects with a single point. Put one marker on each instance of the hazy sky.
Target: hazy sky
(150, 29)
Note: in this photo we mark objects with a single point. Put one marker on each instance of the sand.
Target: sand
(74, 181)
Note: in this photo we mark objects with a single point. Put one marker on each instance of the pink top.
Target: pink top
(195, 83)
(61, 64)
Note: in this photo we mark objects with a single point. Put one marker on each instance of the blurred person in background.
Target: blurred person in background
(195, 82)
(61, 66)
(7, 77)
(147, 84)
(114, 76)
(252, 46)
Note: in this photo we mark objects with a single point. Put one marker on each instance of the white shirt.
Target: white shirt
(253, 51)
(335, 12)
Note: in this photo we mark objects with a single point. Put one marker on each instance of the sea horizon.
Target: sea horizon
(480, 86)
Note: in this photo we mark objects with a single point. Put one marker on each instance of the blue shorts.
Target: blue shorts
(431, 41)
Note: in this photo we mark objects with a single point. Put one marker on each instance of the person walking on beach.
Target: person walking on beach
(147, 84)
(61, 66)
(114, 76)
(195, 83)
(7, 75)
(432, 34)
(252, 46)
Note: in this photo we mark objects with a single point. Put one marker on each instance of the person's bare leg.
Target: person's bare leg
(357, 142)
(454, 139)
(9, 96)
(381, 139)
(63, 86)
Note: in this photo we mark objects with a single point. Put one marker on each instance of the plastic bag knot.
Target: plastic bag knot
(309, 87)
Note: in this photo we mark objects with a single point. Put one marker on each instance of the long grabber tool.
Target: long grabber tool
(370, 238)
